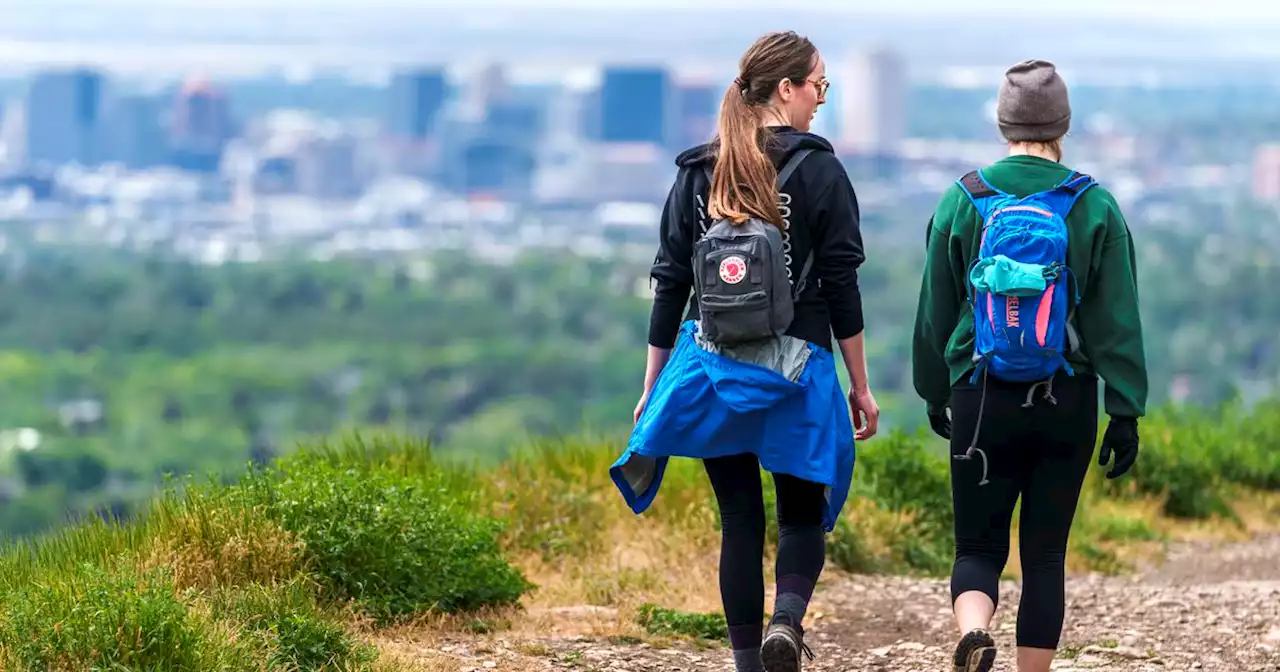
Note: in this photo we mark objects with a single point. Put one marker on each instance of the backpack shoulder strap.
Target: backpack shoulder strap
(802, 280)
(980, 192)
(1062, 198)
(790, 166)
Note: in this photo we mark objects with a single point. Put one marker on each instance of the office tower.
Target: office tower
(699, 107)
(416, 99)
(132, 132)
(873, 104)
(637, 105)
(63, 110)
(325, 166)
(201, 126)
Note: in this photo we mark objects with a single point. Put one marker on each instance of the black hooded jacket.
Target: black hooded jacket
(823, 217)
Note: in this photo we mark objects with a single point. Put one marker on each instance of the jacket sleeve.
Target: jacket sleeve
(672, 269)
(938, 308)
(1110, 324)
(838, 252)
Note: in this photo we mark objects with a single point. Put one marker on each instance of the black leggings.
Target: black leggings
(1041, 453)
(801, 541)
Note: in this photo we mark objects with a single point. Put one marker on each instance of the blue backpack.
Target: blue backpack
(1018, 284)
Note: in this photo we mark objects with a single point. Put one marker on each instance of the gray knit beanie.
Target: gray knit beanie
(1033, 103)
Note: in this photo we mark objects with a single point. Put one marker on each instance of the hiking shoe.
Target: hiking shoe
(782, 646)
(976, 652)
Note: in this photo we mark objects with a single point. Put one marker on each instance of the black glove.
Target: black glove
(1121, 438)
(940, 423)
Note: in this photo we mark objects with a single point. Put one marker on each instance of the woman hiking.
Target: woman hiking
(1029, 296)
(775, 402)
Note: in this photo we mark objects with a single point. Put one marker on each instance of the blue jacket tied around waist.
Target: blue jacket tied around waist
(780, 400)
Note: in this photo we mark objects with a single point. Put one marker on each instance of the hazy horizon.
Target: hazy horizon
(1140, 39)
(1148, 10)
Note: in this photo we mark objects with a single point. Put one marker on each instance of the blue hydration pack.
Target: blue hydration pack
(1018, 284)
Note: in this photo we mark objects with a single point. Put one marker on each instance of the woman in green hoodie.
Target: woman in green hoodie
(1017, 300)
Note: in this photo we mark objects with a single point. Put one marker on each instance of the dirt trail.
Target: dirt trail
(1206, 608)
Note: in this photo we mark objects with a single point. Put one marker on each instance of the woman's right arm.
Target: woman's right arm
(853, 350)
(838, 252)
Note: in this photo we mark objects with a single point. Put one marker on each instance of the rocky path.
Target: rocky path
(1206, 609)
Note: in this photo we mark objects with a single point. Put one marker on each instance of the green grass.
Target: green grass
(658, 620)
(292, 566)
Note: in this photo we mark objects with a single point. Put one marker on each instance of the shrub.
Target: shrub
(1180, 459)
(1244, 444)
(395, 534)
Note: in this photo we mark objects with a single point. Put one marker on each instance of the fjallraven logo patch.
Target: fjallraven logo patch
(733, 269)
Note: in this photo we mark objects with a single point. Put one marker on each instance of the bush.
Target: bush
(1192, 457)
(1246, 443)
(394, 532)
(1189, 483)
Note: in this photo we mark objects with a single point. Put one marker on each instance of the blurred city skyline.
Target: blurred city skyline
(241, 130)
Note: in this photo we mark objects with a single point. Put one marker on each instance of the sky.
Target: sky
(1182, 10)
(1179, 10)
(162, 37)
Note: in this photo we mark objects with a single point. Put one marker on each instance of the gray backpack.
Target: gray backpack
(740, 279)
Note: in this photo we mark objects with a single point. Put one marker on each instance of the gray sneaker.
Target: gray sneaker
(782, 647)
(976, 652)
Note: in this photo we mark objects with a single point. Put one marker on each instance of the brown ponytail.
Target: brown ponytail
(742, 184)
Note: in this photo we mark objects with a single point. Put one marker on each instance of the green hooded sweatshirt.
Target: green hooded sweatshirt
(1100, 253)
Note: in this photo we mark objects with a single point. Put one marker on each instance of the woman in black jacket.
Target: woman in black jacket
(764, 121)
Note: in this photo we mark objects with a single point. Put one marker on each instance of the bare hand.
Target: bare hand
(640, 407)
(865, 412)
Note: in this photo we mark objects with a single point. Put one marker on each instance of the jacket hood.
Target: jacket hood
(785, 140)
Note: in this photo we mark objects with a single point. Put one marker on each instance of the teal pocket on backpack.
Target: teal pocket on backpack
(1004, 276)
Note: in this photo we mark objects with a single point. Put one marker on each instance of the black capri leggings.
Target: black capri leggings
(801, 541)
(1037, 443)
